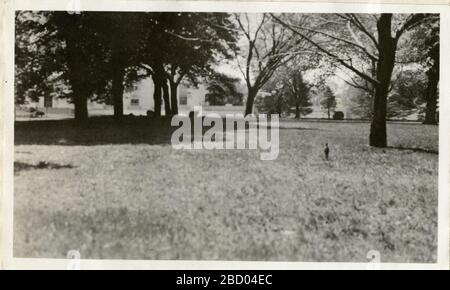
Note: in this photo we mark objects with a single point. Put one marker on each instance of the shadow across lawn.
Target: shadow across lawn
(103, 131)
(21, 166)
(298, 128)
(419, 150)
(96, 131)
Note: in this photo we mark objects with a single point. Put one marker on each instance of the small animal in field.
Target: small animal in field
(327, 152)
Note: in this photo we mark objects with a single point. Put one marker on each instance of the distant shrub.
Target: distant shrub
(338, 115)
(150, 114)
(38, 113)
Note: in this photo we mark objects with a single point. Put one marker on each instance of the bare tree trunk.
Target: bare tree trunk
(118, 86)
(76, 62)
(158, 100)
(158, 80)
(157, 96)
(432, 95)
(80, 103)
(378, 135)
(387, 49)
(297, 112)
(166, 97)
(250, 101)
(279, 106)
(174, 97)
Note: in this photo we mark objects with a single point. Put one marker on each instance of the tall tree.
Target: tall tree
(66, 55)
(268, 47)
(432, 43)
(189, 45)
(367, 48)
(121, 36)
(297, 91)
(288, 91)
(39, 60)
(425, 53)
(328, 101)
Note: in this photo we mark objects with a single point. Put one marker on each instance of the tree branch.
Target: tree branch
(413, 21)
(357, 45)
(357, 22)
(323, 50)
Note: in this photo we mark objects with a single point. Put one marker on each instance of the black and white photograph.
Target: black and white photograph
(242, 136)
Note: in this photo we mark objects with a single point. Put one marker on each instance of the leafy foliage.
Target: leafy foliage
(289, 93)
(95, 53)
(298, 94)
(268, 46)
(407, 94)
(223, 89)
(328, 101)
(39, 59)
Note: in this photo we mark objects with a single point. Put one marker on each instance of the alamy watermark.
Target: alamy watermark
(74, 257)
(234, 132)
(374, 258)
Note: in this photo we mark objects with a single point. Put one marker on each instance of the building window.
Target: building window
(135, 102)
(183, 100)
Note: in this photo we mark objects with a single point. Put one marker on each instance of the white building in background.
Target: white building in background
(141, 100)
(138, 102)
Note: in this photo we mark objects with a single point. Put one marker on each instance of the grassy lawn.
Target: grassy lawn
(122, 192)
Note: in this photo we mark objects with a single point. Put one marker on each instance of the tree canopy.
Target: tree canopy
(96, 54)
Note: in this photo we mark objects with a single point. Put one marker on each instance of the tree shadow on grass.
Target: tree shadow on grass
(96, 131)
(419, 150)
(21, 166)
(300, 129)
(102, 131)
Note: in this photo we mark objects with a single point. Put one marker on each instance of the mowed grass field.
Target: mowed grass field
(122, 192)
